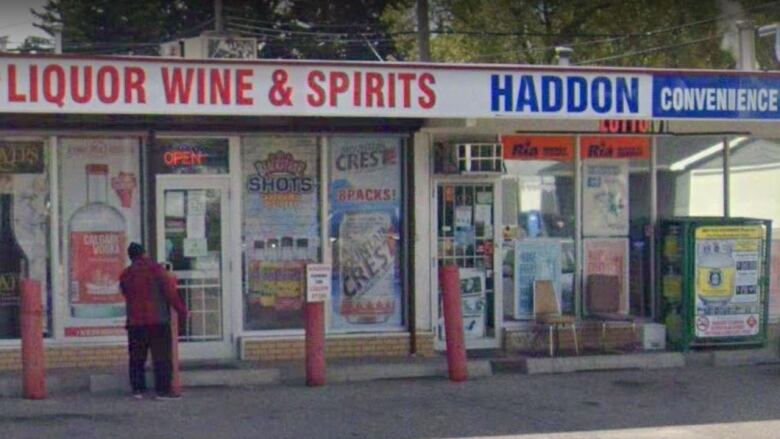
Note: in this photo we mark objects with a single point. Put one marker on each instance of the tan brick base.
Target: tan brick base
(344, 346)
(69, 357)
(535, 340)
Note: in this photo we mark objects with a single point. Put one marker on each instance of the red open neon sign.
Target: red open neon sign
(183, 158)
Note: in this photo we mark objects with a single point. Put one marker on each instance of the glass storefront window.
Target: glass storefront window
(754, 173)
(24, 229)
(689, 176)
(538, 219)
(100, 214)
(365, 232)
(280, 227)
(615, 216)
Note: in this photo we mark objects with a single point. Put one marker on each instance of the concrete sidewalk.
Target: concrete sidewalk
(678, 403)
(242, 374)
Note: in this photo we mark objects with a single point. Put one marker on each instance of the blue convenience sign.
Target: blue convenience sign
(716, 96)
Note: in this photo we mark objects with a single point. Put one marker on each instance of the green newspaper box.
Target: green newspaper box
(713, 281)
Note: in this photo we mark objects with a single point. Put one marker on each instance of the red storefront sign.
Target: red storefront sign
(559, 148)
(615, 147)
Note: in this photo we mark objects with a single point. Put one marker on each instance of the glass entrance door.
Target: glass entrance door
(466, 235)
(192, 240)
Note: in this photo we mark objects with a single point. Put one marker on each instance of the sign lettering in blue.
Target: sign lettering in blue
(716, 97)
(564, 94)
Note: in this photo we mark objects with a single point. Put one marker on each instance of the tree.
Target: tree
(660, 33)
(109, 26)
(285, 28)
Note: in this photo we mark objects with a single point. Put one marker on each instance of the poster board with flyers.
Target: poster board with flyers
(100, 214)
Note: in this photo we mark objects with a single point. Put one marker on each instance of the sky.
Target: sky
(16, 21)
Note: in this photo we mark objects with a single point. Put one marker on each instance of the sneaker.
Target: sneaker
(167, 397)
(138, 395)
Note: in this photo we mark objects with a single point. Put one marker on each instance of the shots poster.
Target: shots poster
(535, 259)
(727, 281)
(101, 215)
(24, 228)
(605, 198)
(609, 257)
(365, 212)
(281, 227)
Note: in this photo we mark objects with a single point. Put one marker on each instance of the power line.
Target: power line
(650, 50)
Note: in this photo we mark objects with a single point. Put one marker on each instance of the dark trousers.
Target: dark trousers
(142, 339)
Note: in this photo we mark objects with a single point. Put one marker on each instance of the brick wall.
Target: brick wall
(346, 346)
(590, 338)
(69, 357)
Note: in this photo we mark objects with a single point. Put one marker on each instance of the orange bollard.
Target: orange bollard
(175, 373)
(33, 361)
(449, 279)
(314, 316)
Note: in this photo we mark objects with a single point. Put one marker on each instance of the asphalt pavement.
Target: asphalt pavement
(691, 402)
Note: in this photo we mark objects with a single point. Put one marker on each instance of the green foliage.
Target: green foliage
(285, 29)
(658, 33)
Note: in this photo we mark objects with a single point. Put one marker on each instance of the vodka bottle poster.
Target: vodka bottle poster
(100, 215)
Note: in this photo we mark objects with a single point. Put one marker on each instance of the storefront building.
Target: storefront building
(238, 174)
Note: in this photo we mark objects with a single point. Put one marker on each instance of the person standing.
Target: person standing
(149, 297)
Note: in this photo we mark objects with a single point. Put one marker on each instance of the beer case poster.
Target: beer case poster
(605, 198)
(24, 228)
(535, 259)
(365, 210)
(727, 274)
(100, 216)
(281, 227)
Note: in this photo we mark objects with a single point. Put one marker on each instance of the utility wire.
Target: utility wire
(650, 50)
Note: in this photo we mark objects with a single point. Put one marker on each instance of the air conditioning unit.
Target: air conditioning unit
(209, 46)
(479, 158)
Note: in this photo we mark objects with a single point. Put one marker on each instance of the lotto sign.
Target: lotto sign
(318, 282)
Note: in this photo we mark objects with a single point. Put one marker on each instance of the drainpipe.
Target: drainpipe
(747, 45)
(563, 54)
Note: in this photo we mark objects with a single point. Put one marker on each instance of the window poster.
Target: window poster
(605, 198)
(281, 227)
(24, 229)
(473, 302)
(727, 281)
(100, 216)
(365, 212)
(609, 257)
(535, 259)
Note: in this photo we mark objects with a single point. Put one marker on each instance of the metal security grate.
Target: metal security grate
(468, 246)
